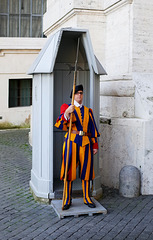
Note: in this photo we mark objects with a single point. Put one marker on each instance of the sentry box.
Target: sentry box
(53, 74)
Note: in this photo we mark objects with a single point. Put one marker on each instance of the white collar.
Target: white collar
(77, 104)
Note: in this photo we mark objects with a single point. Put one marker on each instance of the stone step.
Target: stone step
(78, 208)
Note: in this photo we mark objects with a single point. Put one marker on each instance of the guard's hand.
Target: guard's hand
(95, 151)
(69, 110)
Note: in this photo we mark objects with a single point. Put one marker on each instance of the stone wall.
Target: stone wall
(78, 14)
(128, 99)
(142, 36)
(118, 40)
(121, 34)
(143, 77)
(121, 143)
(59, 11)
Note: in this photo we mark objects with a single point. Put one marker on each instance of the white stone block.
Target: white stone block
(117, 88)
(147, 176)
(142, 36)
(117, 106)
(121, 143)
(143, 95)
(147, 167)
(125, 77)
(118, 41)
(127, 142)
(94, 21)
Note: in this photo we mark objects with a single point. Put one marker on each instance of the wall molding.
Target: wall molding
(78, 11)
(2, 54)
(72, 13)
(17, 51)
(116, 6)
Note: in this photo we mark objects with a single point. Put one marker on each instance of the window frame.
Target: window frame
(19, 96)
(20, 15)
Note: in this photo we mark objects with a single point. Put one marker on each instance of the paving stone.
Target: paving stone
(23, 218)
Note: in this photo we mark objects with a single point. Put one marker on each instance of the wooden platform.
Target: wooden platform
(78, 208)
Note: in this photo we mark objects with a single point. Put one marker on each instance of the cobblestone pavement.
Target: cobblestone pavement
(23, 218)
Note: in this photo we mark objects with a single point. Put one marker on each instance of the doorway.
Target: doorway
(63, 83)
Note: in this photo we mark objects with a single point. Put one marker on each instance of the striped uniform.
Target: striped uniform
(81, 147)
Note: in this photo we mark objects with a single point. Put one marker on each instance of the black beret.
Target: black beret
(77, 88)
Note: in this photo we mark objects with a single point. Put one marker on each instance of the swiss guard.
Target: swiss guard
(83, 145)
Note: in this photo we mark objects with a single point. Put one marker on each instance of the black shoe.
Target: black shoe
(91, 205)
(66, 207)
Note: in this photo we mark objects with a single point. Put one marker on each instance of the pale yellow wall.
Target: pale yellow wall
(16, 57)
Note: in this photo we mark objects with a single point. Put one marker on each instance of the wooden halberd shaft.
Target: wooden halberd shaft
(70, 125)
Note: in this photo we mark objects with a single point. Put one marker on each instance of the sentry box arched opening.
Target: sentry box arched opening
(53, 73)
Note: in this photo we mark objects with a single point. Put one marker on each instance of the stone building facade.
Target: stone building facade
(21, 39)
(121, 34)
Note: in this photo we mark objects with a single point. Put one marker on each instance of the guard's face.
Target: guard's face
(78, 97)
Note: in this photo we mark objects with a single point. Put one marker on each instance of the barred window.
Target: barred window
(20, 92)
(22, 18)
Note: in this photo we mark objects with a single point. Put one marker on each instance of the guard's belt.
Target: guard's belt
(81, 133)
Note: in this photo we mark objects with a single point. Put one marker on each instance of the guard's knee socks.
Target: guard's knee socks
(67, 200)
(86, 191)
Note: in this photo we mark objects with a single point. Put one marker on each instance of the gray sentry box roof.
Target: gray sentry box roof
(45, 61)
(52, 82)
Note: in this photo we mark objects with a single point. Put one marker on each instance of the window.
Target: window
(22, 18)
(20, 92)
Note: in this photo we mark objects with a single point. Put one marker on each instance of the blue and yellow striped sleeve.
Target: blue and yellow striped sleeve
(93, 129)
(61, 122)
